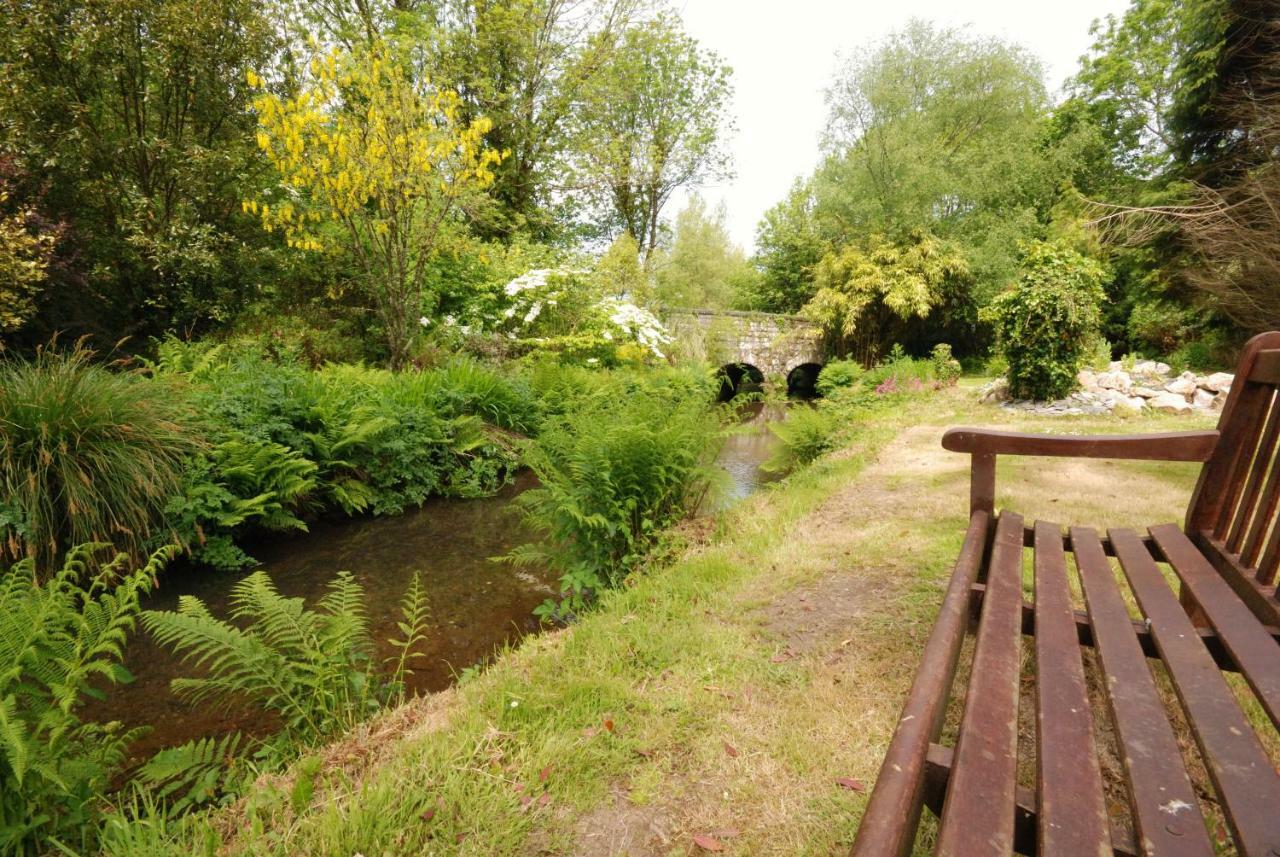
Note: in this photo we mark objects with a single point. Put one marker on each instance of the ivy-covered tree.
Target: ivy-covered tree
(1048, 322)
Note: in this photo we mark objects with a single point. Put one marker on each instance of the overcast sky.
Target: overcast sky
(783, 53)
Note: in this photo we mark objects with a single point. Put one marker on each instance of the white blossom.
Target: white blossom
(424, 321)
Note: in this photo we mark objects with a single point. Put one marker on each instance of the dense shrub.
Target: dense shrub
(946, 369)
(805, 434)
(629, 459)
(86, 455)
(1045, 324)
(58, 639)
(838, 374)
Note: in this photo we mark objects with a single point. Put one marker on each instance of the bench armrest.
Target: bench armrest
(985, 444)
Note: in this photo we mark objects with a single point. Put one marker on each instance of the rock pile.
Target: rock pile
(1147, 384)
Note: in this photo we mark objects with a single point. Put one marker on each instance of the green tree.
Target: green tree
(936, 129)
(524, 64)
(1048, 322)
(788, 246)
(703, 267)
(130, 119)
(653, 120)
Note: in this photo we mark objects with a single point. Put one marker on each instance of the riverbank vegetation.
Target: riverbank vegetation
(271, 265)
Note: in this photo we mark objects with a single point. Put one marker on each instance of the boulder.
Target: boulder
(1170, 403)
(1087, 378)
(996, 391)
(1184, 386)
(1150, 369)
(1115, 381)
(1145, 392)
(1203, 399)
(1219, 382)
(1218, 401)
(1130, 405)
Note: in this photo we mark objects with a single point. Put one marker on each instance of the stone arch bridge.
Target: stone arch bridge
(758, 346)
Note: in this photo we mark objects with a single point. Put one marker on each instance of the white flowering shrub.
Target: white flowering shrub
(564, 310)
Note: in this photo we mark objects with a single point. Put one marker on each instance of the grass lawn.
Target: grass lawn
(719, 698)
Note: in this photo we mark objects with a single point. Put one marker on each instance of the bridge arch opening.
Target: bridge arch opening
(802, 381)
(739, 378)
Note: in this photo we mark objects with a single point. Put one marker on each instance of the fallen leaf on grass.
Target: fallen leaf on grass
(850, 784)
(730, 750)
(707, 843)
(544, 773)
(608, 725)
(428, 814)
(544, 799)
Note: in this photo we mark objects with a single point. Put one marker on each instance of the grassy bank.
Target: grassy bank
(739, 696)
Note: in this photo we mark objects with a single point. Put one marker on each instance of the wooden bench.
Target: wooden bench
(1224, 617)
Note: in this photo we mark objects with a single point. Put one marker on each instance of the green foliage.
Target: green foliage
(946, 368)
(312, 668)
(838, 374)
(195, 774)
(703, 267)
(133, 116)
(789, 245)
(1044, 325)
(652, 120)
(865, 293)
(805, 434)
(61, 640)
(86, 455)
(622, 462)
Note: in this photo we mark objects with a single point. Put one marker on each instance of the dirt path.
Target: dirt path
(845, 608)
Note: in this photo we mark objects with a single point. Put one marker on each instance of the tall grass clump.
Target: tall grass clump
(631, 458)
(58, 639)
(87, 454)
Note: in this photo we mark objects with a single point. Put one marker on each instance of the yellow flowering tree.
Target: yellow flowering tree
(374, 146)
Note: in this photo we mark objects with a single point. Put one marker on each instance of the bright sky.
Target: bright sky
(783, 54)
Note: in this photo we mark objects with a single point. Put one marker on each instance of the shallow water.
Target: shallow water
(477, 605)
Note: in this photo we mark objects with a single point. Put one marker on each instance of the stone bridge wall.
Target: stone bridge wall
(774, 344)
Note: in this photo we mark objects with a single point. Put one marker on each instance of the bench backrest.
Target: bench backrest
(1233, 511)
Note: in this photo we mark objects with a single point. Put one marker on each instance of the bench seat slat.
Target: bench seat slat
(888, 827)
(1165, 811)
(978, 816)
(1072, 812)
(1252, 648)
(1240, 769)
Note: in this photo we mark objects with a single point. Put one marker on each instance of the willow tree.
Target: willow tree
(369, 143)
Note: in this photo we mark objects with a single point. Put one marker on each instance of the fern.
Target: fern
(194, 774)
(415, 617)
(312, 668)
(59, 641)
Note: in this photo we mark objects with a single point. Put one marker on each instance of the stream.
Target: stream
(477, 605)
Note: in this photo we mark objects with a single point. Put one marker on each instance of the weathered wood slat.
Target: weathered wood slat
(1250, 646)
(1253, 483)
(1025, 819)
(1240, 769)
(1244, 409)
(1072, 811)
(977, 818)
(1262, 518)
(888, 826)
(1258, 595)
(1266, 367)
(1084, 631)
(1257, 406)
(1165, 811)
